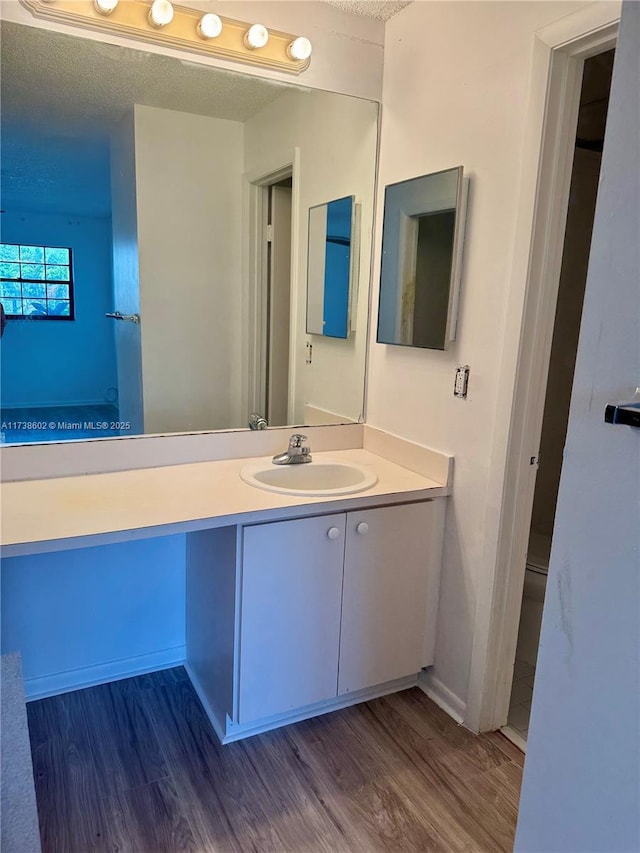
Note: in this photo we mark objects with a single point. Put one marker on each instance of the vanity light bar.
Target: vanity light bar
(161, 22)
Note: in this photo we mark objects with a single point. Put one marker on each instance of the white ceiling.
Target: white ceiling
(382, 10)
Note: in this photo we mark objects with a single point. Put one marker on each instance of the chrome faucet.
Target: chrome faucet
(295, 453)
(256, 421)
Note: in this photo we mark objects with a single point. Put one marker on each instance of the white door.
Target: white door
(384, 606)
(290, 615)
(279, 307)
(582, 774)
(126, 290)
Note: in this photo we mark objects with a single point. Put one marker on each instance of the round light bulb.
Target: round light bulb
(209, 26)
(299, 49)
(105, 7)
(160, 13)
(256, 36)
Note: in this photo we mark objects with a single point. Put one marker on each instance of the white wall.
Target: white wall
(347, 48)
(456, 82)
(188, 184)
(337, 140)
(582, 774)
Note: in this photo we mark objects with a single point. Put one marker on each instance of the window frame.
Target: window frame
(70, 282)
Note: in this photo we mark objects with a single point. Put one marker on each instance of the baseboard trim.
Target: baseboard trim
(44, 686)
(442, 696)
(228, 731)
(515, 737)
(53, 404)
(238, 732)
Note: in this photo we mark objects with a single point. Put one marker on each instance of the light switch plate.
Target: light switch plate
(461, 382)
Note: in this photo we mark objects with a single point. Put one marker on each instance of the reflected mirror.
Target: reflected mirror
(333, 267)
(421, 259)
(154, 242)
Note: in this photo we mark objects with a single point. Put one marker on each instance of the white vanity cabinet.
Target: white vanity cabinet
(327, 610)
(289, 615)
(388, 573)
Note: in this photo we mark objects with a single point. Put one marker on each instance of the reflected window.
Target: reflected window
(36, 282)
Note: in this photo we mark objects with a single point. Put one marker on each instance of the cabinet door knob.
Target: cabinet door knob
(362, 528)
(333, 532)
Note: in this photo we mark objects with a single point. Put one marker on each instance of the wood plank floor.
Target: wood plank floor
(135, 766)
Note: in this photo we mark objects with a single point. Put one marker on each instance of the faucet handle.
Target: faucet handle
(296, 441)
(256, 421)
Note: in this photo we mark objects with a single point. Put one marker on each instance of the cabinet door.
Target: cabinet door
(387, 573)
(290, 615)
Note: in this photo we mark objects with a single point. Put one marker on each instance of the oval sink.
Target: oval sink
(314, 479)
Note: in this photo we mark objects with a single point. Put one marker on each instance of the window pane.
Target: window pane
(11, 306)
(24, 273)
(9, 252)
(33, 271)
(58, 291)
(10, 288)
(57, 256)
(9, 270)
(33, 308)
(32, 254)
(57, 273)
(37, 290)
(59, 308)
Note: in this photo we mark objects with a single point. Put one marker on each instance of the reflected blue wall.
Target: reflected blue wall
(57, 192)
(59, 362)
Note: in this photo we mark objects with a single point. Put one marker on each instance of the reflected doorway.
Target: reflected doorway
(278, 299)
(271, 235)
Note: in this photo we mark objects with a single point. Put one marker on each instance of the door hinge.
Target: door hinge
(269, 233)
(309, 352)
(534, 460)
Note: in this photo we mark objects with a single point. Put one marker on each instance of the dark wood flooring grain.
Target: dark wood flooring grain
(135, 766)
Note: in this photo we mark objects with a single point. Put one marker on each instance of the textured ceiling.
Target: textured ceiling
(382, 10)
(57, 92)
(68, 86)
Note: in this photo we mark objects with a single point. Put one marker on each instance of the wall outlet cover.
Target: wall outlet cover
(461, 382)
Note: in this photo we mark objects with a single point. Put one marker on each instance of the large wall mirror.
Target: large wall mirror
(154, 239)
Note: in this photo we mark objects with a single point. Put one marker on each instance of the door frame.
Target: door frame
(558, 58)
(254, 303)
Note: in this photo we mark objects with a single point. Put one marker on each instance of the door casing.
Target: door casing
(254, 276)
(559, 53)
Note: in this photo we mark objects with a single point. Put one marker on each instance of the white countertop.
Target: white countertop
(39, 515)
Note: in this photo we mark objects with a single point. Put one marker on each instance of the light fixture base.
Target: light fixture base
(130, 19)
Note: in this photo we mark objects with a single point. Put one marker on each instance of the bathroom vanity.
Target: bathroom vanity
(312, 613)
(290, 605)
